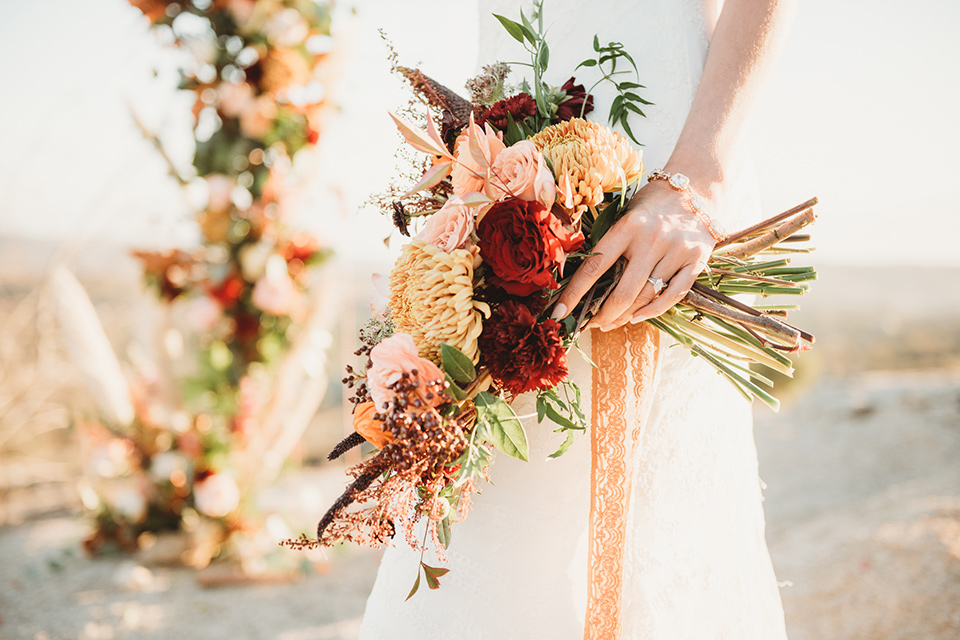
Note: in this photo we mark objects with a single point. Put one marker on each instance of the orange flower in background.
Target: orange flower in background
(370, 428)
(284, 68)
(588, 160)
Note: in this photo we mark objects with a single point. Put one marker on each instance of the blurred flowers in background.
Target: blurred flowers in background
(204, 433)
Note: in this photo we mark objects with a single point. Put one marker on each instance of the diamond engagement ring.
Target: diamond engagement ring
(658, 285)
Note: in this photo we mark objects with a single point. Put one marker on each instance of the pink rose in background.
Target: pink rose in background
(485, 142)
(235, 98)
(275, 292)
(217, 495)
(391, 359)
(450, 227)
(219, 187)
(257, 119)
(203, 313)
(520, 171)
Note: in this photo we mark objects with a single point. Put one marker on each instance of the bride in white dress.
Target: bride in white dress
(695, 564)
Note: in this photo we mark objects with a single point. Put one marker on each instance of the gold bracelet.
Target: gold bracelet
(680, 182)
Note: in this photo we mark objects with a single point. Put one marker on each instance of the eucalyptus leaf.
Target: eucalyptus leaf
(505, 430)
(443, 532)
(457, 364)
(454, 390)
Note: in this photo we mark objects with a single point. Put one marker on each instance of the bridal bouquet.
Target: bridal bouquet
(518, 188)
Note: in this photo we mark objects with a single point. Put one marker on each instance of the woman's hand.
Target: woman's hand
(661, 238)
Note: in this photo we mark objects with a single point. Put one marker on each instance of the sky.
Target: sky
(861, 113)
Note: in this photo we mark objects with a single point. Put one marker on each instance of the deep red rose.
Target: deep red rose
(520, 106)
(572, 106)
(522, 354)
(523, 243)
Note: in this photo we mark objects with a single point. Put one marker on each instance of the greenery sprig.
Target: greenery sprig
(627, 100)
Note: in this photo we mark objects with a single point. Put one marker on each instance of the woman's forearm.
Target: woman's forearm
(746, 42)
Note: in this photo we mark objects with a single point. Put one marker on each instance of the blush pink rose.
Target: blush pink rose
(391, 359)
(275, 293)
(217, 495)
(520, 171)
(450, 227)
(469, 173)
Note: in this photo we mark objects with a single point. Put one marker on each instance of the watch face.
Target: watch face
(679, 181)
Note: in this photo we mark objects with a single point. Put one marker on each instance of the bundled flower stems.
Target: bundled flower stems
(517, 189)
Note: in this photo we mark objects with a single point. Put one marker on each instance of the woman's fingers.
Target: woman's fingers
(649, 292)
(679, 286)
(590, 270)
(625, 294)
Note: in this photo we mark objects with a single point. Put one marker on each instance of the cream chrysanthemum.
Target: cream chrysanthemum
(431, 298)
(588, 160)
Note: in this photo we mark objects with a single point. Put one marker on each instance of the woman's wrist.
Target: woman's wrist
(698, 205)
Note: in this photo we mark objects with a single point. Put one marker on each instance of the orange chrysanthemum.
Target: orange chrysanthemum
(431, 298)
(588, 160)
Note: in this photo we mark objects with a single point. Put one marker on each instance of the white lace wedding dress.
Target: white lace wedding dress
(696, 565)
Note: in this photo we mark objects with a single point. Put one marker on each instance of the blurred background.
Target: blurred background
(102, 369)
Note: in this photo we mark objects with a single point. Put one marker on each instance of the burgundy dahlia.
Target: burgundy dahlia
(522, 354)
(572, 106)
(520, 106)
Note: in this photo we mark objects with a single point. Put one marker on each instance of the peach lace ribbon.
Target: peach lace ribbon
(611, 464)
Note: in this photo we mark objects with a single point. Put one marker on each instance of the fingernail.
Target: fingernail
(592, 325)
(559, 311)
(609, 327)
(637, 319)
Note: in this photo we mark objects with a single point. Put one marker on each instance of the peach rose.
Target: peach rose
(370, 428)
(450, 227)
(468, 173)
(521, 171)
(391, 359)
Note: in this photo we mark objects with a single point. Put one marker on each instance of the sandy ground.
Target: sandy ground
(863, 506)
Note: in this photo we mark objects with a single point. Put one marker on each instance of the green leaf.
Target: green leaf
(563, 447)
(432, 574)
(514, 133)
(596, 44)
(561, 420)
(602, 224)
(629, 85)
(544, 58)
(416, 586)
(454, 390)
(587, 63)
(443, 532)
(626, 127)
(512, 27)
(505, 431)
(541, 408)
(457, 364)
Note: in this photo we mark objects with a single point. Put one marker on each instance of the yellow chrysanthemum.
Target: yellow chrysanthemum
(431, 298)
(588, 160)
